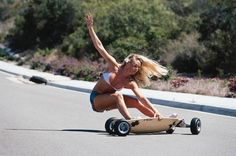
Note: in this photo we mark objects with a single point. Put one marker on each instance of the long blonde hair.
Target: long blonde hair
(148, 69)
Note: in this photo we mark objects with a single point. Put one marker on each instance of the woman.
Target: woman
(133, 73)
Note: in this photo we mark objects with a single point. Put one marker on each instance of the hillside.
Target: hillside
(194, 39)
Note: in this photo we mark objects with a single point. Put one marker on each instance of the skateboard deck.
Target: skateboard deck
(148, 125)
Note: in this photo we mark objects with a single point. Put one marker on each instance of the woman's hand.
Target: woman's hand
(89, 20)
(158, 115)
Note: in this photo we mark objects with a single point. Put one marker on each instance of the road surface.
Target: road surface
(39, 120)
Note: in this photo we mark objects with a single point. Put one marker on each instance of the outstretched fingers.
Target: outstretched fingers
(89, 19)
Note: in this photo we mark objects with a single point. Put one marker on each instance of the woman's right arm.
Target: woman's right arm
(98, 44)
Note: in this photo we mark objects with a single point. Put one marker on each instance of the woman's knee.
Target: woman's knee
(118, 97)
(96, 109)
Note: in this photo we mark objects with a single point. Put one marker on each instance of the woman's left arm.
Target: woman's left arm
(143, 99)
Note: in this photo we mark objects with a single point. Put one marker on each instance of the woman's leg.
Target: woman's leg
(111, 101)
(135, 103)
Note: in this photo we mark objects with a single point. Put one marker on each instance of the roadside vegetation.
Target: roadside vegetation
(195, 39)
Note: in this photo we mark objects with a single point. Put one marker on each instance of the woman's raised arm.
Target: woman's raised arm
(98, 44)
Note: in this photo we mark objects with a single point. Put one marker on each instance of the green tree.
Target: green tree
(5, 10)
(185, 53)
(126, 26)
(42, 23)
(218, 34)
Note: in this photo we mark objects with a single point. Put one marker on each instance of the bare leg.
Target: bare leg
(112, 101)
(134, 103)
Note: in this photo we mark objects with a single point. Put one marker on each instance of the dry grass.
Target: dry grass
(212, 87)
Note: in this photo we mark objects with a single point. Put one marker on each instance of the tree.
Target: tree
(126, 26)
(218, 34)
(42, 23)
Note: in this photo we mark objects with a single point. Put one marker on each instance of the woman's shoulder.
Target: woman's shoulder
(113, 69)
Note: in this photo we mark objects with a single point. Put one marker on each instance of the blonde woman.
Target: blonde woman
(133, 73)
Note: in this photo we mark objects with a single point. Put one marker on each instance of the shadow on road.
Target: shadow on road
(63, 130)
(84, 130)
(101, 132)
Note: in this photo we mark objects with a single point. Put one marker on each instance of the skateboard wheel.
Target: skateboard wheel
(109, 125)
(171, 130)
(195, 126)
(122, 127)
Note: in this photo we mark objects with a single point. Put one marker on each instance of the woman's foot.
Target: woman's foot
(173, 115)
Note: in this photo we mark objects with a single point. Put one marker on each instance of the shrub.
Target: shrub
(123, 27)
(177, 82)
(217, 29)
(232, 84)
(42, 24)
(87, 74)
(185, 54)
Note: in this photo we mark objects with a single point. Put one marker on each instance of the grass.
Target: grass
(202, 86)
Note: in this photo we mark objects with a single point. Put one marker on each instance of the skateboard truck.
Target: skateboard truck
(182, 123)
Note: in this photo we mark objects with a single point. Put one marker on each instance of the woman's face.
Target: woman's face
(133, 66)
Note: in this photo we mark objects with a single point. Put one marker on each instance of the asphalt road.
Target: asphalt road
(39, 120)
